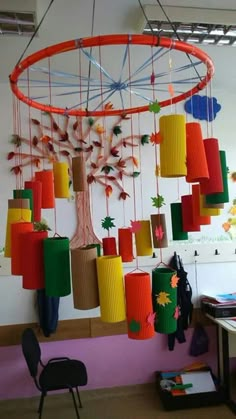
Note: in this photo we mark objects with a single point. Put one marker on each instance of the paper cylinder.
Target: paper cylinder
(197, 217)
(176, 222)
(79, 174)
(140, 317)
(173, 146)
(17, 231)
(159, 232)
(18, 203)
(36, 188)
(205, 205)
(143, 239)
(33, 272)
(215, 183)
(14, 215)
(111, 289)
(57, 266)
(84, 278)
(48, 196)
(164, 297)
(97, 246)
(125, 243)
(187, 214)
(109, 246)
(207, 211)
(24, 194)
(221, 197)
(61, 179)
(197, 168)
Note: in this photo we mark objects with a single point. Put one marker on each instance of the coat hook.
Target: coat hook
(154, 255)
(217, 252)
(196, 253)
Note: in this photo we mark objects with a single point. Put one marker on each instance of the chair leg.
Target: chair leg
(74, 401)
(77, 391)
(40, 409)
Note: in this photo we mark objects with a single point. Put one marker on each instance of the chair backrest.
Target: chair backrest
(31, 350)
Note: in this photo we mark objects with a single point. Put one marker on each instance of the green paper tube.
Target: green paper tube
(56, 251)
(24, 194)
(165, 307)
(176, 222)
(221, 197)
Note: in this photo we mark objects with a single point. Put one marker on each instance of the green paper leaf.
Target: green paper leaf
(145, 139)
(117, 130)
(16, 140)
(107, 223)
(78, 149)
(154, 107)
(135, 174)
(90, 121)
(134, 326)
(107, 169)
(158, 201)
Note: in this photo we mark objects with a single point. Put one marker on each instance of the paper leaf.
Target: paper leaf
(123, 195)
(163, 298)
(174, 281)
(135, 226)
(99, 129)
(159, 233)
(134, 326)
(107, 169)
(176, 313)
(135, 174)
(97, 144)
(16, 140)
(108, 190)
(114, 152)
(154, 107)
(145, 139)
(171, 90)
(135, 161)
(10, 155)
(158, 201)
(90, 122)
(117, 130)
(151, 319)
(107, 223)
(155, 138)
(152, 78)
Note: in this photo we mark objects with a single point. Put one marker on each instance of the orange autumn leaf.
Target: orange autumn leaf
(45, 139)
(155, 138)
(135, 161)
(108, 105)
(174, 281)
(163, 298)
(226, 226)
(99, 129)
(108, 190)
(171, 90)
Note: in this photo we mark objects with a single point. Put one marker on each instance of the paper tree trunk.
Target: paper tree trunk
(111, 289)
(33, 272)
(164, 297)
(17, 232)
(84, 278)
(57, 266)
(14, 215)
(143, 239)
(159, 232)
(125, 242)
(140, 317)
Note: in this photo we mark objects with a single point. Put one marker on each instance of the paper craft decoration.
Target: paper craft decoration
(14, 215)
(111, 289)
(143, 239)
(17, 247)
(215, 183)
(125, 243)
(36, 187)
(48, 196)
(197, 168)
(139, 305)
(33, 277)
(221, 197)
(24, 194)
(176, 222)
(197, 217)
(109, 246)
(61, 179)
(57, 266)
(79, 174)
(84, 278)
(164, 299)
(204, 210)
(189, 224)
(159, 231)
(173, 145)
(19, 203)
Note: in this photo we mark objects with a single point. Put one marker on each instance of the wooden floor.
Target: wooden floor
(136, 402)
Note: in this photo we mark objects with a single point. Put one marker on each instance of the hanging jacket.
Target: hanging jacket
(47, 308)
(184, 301)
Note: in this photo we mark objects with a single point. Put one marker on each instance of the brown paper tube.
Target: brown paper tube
(158, 221)
(18, 203)
(84, 278)
(79, 174)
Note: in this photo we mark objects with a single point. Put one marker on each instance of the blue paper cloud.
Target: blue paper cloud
(202, 107)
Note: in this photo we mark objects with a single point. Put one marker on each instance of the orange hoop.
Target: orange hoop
(110, 40)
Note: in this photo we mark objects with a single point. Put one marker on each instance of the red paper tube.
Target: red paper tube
(215, 182)
(109, 246)
(33, 272)
(48, 196)
(17, 231)
(36, 187)
(187, 214)
(125, 244)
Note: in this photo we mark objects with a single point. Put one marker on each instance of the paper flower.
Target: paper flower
(174, 281)
(159, 233)
(135, 226)
(151, 319)
(155, 138)
(163, 298)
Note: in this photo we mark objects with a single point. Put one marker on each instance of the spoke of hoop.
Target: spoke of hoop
(90, 99)
(122, 100)
(96, 64)
(123, 62)
(104, 100)
(68, 94)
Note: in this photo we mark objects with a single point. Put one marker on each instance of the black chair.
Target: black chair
(57, 374)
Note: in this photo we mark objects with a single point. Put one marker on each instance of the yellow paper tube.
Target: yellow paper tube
(208, 211)
(61, 179)
(173, 146)
(14, 215)
(143, 239)
(111, 289)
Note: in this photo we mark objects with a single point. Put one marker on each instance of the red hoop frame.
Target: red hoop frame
(103, 40)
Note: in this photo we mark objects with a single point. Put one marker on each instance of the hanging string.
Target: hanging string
(140, 163)
(89, 70)
(30, 131)
(211, 108)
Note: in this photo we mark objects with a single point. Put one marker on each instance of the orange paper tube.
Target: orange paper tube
(139, 308)
(197, 168)
(33, 272)
(48, 196)
(17, 230)
(125, 244)
(36, 187)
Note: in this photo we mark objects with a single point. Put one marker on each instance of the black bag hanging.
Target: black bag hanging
(48, 312)
(200, 341)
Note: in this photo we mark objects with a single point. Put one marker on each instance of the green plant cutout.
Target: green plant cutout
(107, 223)
(117, 130)
(158, 201)
(134, 326)
(154, 107)
(145, 139)
(41, 225)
